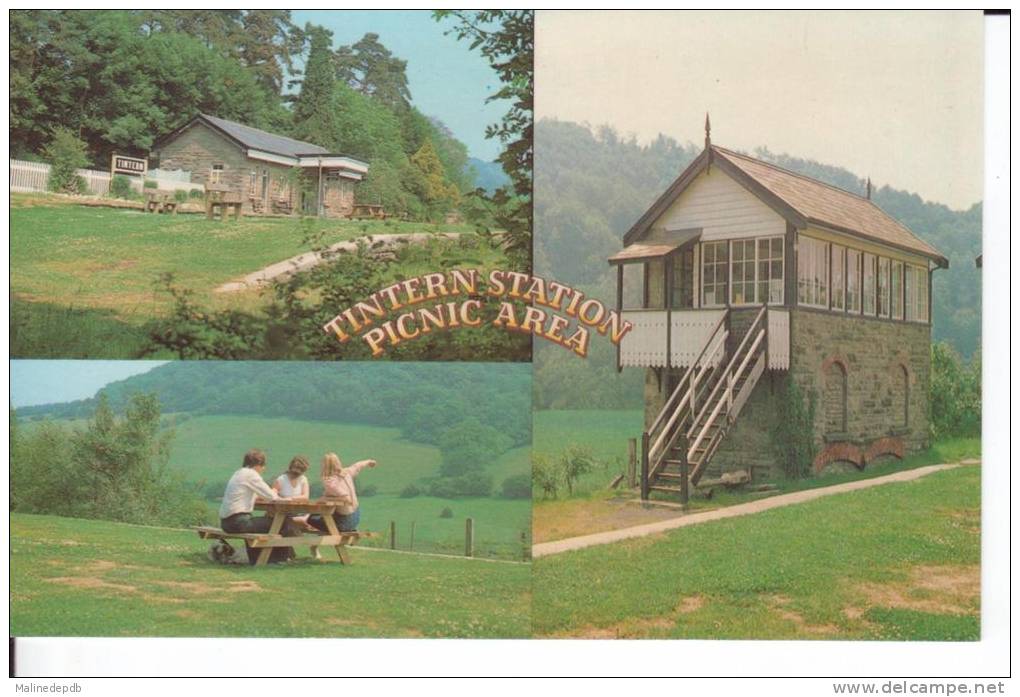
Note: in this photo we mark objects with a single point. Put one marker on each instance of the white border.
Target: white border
(989, 657)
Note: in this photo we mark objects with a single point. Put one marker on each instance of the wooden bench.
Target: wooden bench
(266, 541)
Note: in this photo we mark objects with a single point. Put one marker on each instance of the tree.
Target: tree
(66, 154)
(470, 446)
(313, 108)
(118, 79)
(954, 397)
(430, 184)
(369, 68)
(506, 39)
(113, 468)
(267, 44)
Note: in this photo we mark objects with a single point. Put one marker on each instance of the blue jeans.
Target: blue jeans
(344, 522)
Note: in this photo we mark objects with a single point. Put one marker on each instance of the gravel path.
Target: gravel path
(601, 538)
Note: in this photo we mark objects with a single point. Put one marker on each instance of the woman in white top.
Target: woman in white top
(293, 485)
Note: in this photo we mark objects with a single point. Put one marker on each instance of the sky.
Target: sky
(54, 382)
(896, 96)
(446, 79)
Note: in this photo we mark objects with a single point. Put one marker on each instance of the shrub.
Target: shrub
(180, 196)
(465, 485)
(792, 433)
(369, 490)
(446, 513)
(411, 491)
(120, 187)
(954, 400)
(545, 477)
(66, 154)
(576, 462)
(517, 487)
(112, 468)
(150, 184)
(196, 193)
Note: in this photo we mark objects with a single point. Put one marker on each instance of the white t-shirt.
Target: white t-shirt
(287, 489)
(243, 488)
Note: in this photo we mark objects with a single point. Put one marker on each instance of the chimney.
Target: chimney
(868, 194)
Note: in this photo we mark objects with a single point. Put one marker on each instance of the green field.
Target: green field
(899, 561)
(73, 577)
(83, 278)
(604, 432)
(209, 448)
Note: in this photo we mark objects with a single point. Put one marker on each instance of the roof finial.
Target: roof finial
(708, 132)
(868, 194)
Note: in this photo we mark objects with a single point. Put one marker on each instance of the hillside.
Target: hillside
(487, 175)
(593, 184)
(420, 399)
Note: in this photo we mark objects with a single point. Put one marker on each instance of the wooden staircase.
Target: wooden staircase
(696, 416)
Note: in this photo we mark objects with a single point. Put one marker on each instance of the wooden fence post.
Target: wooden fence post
(684, 472)
(469, 537)
(525, 550)
(644, 466)
(393, 534)
(632, 462)
(411, 545)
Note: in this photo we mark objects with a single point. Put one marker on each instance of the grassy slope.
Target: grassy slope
(899, 561)
(83, 279)
(90, 578)
(109, 258)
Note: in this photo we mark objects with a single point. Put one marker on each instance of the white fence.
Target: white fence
(32, 176)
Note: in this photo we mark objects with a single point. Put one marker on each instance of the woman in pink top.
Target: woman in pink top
(338, 484)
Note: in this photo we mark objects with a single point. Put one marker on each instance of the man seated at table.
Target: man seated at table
(244, 487)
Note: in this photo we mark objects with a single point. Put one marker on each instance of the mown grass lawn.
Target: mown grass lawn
(899, 561)
(594, 507)
(74, 577)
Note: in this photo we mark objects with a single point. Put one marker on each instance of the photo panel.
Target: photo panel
(791, 231)
(279, 499)
(268, 184)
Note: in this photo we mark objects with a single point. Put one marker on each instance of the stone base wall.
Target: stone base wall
(885, 367)
(869, 379)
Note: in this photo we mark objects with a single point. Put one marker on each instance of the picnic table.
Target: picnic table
(221, 199)
(160, 202)
(279, 510)
(368, 210)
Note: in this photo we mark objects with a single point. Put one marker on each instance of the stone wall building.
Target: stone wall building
(744, 276)
(273, 173)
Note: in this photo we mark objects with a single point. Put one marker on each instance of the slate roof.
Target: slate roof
(800, 199)
(263, 140)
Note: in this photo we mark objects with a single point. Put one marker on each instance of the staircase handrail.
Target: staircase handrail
(726, 371)
(666, 407)
(687, 400)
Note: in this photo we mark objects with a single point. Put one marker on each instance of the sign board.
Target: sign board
(119, 164)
